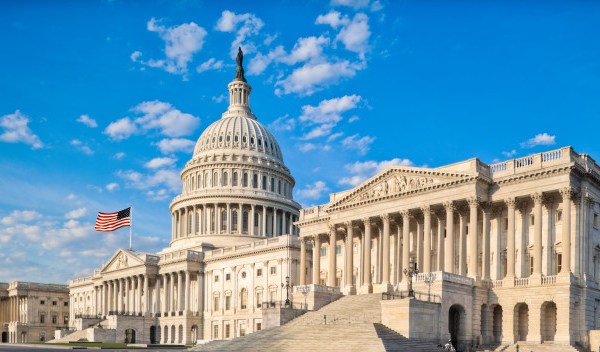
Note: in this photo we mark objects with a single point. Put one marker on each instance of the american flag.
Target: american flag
(108, 222)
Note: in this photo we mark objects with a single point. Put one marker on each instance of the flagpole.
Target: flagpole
(130, 224)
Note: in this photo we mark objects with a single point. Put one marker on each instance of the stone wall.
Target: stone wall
(412, 318)
(101, 335)
(279, 316)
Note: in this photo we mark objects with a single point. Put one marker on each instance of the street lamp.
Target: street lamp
(429, 279)
(287, 287)
(410, 272)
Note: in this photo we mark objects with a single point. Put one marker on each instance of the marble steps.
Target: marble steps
(75, 336)
(346, 310)
(536, 347)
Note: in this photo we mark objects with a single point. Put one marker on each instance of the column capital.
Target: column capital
(332, 228)
(426, 209)
(385, 217)
(406, 213)
(348, 225)
(440, 214)
(568, 192)
(366, 221)
(510, 203)
(589, 200)
(537, 197)
(449, 206)
(486, 207)
(548, 201)
(474, 201)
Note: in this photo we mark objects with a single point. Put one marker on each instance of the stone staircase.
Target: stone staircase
(536, 347)
(75, 336)
(353, 323)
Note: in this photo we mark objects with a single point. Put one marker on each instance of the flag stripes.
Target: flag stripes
(108, 222)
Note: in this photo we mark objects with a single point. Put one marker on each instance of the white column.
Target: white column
(316, 260)
(157, 306)
(146, 310)
(473, 237)
(251, 223)
(385, 280)
(332, 256)
(139, 294)
(219, 220)
(275, 222)
(567, 194)
(510, 240)
(426, 238)
(485, 270)
(441, 228)
(449, 243)
(240, 218)
(194, 216)
(228, 222)
(264, 222)
(179, 293)
(302, 261)
(188, 287)
(367, 279)
(405, 241)
(537, 234)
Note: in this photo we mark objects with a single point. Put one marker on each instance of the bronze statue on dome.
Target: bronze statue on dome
(239, 71)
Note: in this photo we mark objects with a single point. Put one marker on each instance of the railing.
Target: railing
(181, 254)
(420, 296)
(496, 283)
(548, 280)
(315, 288)
(523, 281)
(537, 161)
(88, 316)
(282, 304)
(284, 239)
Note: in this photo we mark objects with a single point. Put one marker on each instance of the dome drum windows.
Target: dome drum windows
(225, 179)
(264, 183)
(254, 181)
(234, 179)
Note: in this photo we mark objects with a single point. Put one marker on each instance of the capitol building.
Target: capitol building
(481, 255)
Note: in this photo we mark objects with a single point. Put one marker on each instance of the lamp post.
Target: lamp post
(287, 287)
(410, 272)
(429, 279)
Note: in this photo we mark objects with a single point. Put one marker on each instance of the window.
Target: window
(505, 224)
(558, 262)
(227, 331)
(66, 319)
(596, 220)
(234, 221)
(42, 319)
(243, 274)
(227, 302)
(244, 299)
(245, 180)
(530, 265)
(244, 139)
(558, 217)
(42, 302)
(54, 302)
(252, 140)
(234, 180)
(338, 249)
(54, 319)
(216, 278)
(235, 139)
(227, 277)
(245, 221)
(255, 181)
(258, 326)
(323, 251)
(225, 179)
(258, 272)
(216, 302)
(531, 220)
(223, 220)
(279, 186)
(215, 179)
(264, 182)
(259, 142)
(215, 331)
(272, 184)
(66, 304)
(259, 299)
(273, 270)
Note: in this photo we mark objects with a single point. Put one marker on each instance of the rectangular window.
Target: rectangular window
(323, 251)
(338, 249)
(505, 224)
(272, 184)
(258, 326)
(215, 331)
(558, 262)
(273, 297)
(258, 299)
(227, 302)
(531, 220)
(273, 270)
(42, 302)
(42, 319)
(227, 331)
(66, 304)
(54, 319)
(216, 278)
(53, 303)
(216, 303)
(530, 265)
(227, 277)
(558, 215)
(66, 319)
(264, 182)
(596, 220)
(258, 272)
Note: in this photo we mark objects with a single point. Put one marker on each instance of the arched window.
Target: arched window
(245, 180)
(235, 138)
(225, 179)
(216, 301)
(215, 179)
(252, 140)
(260, 142)
(223, 220)
(228, 138)
(244, 139)
(264, 182)
(234, 220)
(279, 186)
(245, 222)
(234, 179)
(255, 181)
(244, 299)
(272, 184)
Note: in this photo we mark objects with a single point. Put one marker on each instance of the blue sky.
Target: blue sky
(102, 102)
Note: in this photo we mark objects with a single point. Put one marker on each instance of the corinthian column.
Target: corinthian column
(473, 237)
(510, 240)
(316, 260)
(385, 281)
(567, 194)
(367, 283)
(332, 256)
(537, 236)
(405, 241)
(426, 239)
(302, 261)
(449, 252)
(349, 251)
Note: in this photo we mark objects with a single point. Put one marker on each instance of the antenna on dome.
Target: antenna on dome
(239, 71)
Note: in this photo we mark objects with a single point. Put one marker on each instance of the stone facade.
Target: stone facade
(510, 250)
(30, 312)
(233, 245)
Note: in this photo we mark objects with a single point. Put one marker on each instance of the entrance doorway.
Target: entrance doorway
(129, 336)
(153, 334)
(521, 326)
(4, 337)
(548, 322)
(497, 323)
(456, 321)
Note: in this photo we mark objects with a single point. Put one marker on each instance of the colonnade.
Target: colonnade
(451, 247)
(218, 218)
(13, 309)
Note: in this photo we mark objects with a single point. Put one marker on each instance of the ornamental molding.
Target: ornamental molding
(251, 253)
(122, 259)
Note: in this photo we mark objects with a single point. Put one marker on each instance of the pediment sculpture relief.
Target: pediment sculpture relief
(396, 184)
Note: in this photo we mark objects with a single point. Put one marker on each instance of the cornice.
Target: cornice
(250, 253)
(269, 202)
(537, 174)
(313, 221)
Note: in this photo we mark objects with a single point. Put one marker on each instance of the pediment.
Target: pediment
(398, 181)
(122, 259)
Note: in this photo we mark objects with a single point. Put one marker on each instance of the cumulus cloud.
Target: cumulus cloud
(509, 154)
(76, 213)
(355, 35)
(332, 18)
(245, 25)
(119, 155)
(306, 147)
(355, 4)
(259, 63)
(539, 139)
(157, 115)
(329, 110)
(88, 121)
(311, 77)
(158, 163)
(361, 170)
(174, 145)
(314, 190)
(16, 130)
(113, 186)
(20, 216)
(306, 49)
(219, 99)
(361, 144)
(84, 148)
(210, 64)
(181, 43)
(283, 123)
(319, 131)
(157, 179)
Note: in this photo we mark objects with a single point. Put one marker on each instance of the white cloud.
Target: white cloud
(112, 186)
(120, 129)
(158, 195)
(76, 213)
(135, 55)
(156, 114)
(314, 190)
(20, 216)
(174, 145)
(329, 110)
(509, 154)
(88, 121)
(219, 99)
(311, 77)
(307, 147)
(259, 63)
(355, 35)
(333, 18)
(181, 43)
(539, 139)
(283, 123)
(334, 136)
(119, 155)
(162, 178)
(360, 171)
(355, 4)
(210, 64)
(245, 25)
(306, 49)
(319, 131)
(353, 119)
(84, 148)
(16, 130)
(362, 144)
(158, 163)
